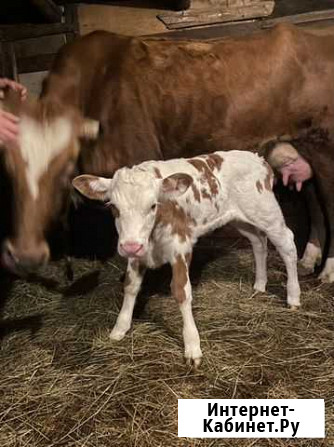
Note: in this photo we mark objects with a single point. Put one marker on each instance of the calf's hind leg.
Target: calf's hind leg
(282, 238)
(259, 243)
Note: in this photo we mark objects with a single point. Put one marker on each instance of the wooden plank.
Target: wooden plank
(49, 9)
(71, 18)
(302, 19)
(26, 31)
(134, 21)
(39, 62)
(236, 12)
(312, 20)
(39, 45)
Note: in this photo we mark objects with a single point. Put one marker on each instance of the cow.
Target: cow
(160, 99)
(295, 170)
(161, 208)
(39, 163)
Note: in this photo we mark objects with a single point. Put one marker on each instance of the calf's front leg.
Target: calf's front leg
(133, 280)
(181, 290)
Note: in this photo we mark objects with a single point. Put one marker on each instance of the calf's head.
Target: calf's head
(135, 198)
(40, 166)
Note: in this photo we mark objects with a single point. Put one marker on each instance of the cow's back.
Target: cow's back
(79, 74)
(157, 98)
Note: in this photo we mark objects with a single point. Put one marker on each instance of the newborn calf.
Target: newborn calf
(161, 208)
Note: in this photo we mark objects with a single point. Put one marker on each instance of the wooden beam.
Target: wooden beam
(220, 14)
(49, 9)
(41, 62)
(27, 31)
(325, 17)
(300, 19)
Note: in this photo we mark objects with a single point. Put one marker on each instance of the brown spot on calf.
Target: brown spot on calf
(208, 175)
(214, 161)
(205, 194)
(180, 279)
(196, 193)
(170, 213)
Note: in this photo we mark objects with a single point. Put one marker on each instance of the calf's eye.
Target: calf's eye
(153, 207)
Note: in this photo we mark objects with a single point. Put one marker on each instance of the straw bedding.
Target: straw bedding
(64, 383)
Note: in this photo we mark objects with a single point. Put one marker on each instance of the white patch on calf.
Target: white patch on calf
(133, 193)
(40, 144)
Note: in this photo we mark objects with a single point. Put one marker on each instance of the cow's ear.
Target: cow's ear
(175, 185)
(92, 187)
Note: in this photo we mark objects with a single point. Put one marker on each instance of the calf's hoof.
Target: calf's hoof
(260, 286)
(117, 334)
(193, 357)
(293, 307)
(193, 363)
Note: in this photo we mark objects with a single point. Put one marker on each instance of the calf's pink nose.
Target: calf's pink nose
(131, 248)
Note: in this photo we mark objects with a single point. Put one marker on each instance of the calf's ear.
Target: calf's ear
(92, 187)
(175, 185)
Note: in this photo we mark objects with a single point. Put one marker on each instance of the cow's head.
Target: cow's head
(40, 166)
(134, 197)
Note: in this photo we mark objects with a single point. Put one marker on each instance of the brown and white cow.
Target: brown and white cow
(161, 208)
(40, 164)
(162, 99)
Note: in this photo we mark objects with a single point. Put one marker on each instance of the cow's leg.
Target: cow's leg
(322, 164)
(133, 280)
(327, 274)
(181, 290)
(313, 253)
(259, 243)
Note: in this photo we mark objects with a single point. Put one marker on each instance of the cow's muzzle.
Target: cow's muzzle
(24, 260)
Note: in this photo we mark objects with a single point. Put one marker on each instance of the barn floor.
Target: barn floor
(64, 383)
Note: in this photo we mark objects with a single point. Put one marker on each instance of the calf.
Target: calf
(162, 207)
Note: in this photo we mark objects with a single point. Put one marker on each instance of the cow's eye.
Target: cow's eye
(153, 207)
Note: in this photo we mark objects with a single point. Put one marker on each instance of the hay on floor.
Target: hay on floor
(64, 383)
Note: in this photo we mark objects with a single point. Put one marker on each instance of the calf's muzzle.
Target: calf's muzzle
(129, 249)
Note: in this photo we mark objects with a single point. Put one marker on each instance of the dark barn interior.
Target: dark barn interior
(64, 382)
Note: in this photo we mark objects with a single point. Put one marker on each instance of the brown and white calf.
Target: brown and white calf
(163, 207)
